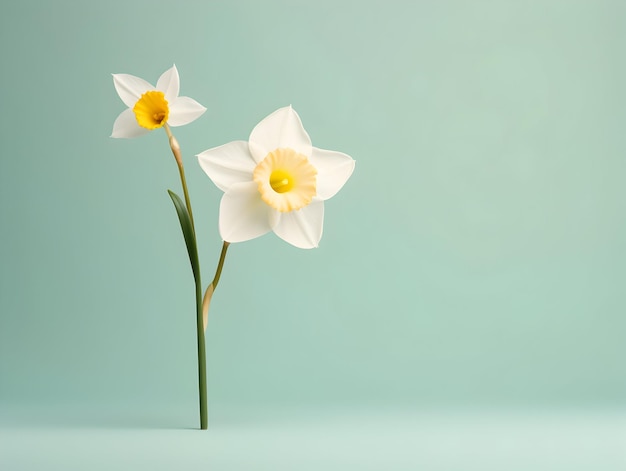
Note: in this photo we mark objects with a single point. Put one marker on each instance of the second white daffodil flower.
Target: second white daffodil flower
(277, 181)
(152, 107)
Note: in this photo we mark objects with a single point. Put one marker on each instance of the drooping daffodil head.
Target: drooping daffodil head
(151, 107)
(277, 181)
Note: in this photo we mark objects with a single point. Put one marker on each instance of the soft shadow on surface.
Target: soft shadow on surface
(77, 415)
(157, 416)
(319, 438)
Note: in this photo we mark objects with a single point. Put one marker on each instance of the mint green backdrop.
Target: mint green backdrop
(475, 259)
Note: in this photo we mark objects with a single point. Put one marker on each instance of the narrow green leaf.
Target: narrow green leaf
(188, 233)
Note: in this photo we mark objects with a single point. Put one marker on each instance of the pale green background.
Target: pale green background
(475, 260)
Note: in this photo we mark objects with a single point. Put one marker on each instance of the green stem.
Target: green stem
(201, 359)
(218, 272)
(181, 170)
(208, 294)
(202, 388)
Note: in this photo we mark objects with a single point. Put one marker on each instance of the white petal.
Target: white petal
(126, 125)
(184, 110)
(130, 88)
(302, 228)
(333, 170)
(228, 164)
(282, 128)
(169, 84)
(243, 214)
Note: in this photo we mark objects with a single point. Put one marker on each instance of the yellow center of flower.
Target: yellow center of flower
(151, 110)
(287, 180)
(281, 181)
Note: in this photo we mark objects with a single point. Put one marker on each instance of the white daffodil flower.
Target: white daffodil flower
(277, 181)
(152, 107)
